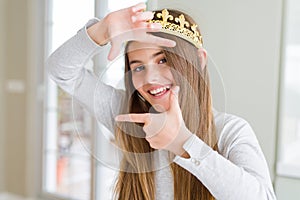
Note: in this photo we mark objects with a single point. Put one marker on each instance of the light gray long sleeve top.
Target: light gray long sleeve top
(238, 171)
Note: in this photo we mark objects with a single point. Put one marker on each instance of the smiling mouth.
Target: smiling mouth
(159, 91)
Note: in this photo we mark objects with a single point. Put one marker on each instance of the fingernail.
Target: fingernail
(134, 9)
(152, 15)
(119, 118)
(176, 89)
(133, 19)
(173, 43)
(139, 6)
(156, 25)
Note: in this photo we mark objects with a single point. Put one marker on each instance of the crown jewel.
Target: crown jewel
(179, 27)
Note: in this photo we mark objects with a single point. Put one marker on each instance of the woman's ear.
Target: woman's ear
(202, 53)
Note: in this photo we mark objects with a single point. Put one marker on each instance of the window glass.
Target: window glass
(68, 133)
(289, 131)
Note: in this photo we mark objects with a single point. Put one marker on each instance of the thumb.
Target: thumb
(174, 104)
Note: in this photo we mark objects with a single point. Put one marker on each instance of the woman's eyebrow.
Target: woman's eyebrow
(134, 61)
(153, 56)
(157, 54)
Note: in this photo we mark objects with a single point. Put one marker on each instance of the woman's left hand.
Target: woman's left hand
(165, 130)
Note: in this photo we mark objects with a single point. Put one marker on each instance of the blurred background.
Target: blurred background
(49, 145)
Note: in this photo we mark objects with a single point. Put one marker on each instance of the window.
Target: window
(70, 139)
(289, 122)
(67, 162)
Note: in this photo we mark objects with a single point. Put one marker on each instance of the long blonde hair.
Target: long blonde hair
(135, 180)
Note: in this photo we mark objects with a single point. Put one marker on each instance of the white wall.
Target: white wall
(21, 60)
(243, 39)
(14, 115)
(2, 64)
(287, 188)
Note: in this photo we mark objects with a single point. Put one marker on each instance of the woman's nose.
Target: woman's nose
(152, 74)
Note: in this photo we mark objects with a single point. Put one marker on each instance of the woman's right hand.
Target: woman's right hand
(126, 25)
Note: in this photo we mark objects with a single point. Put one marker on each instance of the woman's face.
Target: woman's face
(151, 76)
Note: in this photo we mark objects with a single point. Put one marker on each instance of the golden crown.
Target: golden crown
(179, 27)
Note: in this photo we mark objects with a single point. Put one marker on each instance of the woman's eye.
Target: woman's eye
(139, 68)
(162, 61)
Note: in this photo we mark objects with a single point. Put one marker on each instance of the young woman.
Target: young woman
(174, 145)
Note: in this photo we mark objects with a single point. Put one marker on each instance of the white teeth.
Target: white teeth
(159, 90)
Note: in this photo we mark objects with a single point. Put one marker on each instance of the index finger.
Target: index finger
(160, 41)
(138, 118)
(138, 7)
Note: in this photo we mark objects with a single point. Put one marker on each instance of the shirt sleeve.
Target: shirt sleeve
(66, 67)
(241, 173)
